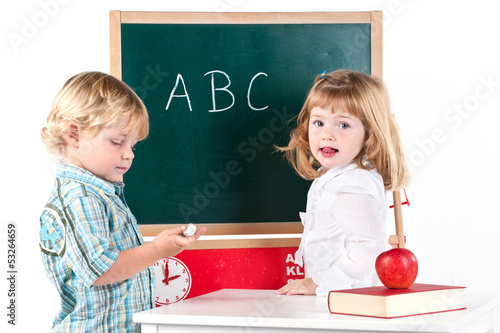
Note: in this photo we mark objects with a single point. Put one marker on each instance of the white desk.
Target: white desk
(238, 310)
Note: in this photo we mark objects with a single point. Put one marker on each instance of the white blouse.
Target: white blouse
(345, 229)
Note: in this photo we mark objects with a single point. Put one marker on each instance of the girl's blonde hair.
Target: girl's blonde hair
(366, 98)
(94, 100)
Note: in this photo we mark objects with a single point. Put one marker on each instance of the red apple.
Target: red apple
(397, 268)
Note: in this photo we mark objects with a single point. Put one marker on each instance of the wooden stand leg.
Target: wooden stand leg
(398, 216)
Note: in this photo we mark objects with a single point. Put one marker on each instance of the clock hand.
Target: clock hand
(166, 275)
(173, 277)
(167, 278)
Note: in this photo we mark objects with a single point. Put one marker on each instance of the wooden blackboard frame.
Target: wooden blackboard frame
(117, 18)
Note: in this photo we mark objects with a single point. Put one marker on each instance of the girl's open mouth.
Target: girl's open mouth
(328, 151)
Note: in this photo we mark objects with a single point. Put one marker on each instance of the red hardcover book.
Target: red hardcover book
(383, 302)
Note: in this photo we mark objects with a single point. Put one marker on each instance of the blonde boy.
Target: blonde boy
(92, 249)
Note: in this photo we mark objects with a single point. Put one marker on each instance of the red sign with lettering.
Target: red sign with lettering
(256, 268)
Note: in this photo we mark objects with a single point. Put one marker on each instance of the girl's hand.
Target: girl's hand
(299, 287)
(171, 241)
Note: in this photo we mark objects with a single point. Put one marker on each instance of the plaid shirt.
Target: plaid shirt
(83, 227)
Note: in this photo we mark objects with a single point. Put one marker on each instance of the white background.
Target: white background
(441, 65)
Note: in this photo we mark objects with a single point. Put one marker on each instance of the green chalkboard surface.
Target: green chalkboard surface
(220, 97)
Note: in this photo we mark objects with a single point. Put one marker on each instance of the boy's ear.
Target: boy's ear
(72, 135)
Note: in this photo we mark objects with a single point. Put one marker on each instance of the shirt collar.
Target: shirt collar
(334, 172)
(77, 174)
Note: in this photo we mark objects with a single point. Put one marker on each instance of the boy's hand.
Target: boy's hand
(170, 242)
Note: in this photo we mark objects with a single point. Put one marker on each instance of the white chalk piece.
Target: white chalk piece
(191, 229)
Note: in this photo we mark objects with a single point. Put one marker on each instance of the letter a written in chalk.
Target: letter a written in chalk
(179, 78)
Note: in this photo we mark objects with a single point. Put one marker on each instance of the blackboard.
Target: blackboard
(220, 89)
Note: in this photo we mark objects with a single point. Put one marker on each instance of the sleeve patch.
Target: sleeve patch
(53, 231)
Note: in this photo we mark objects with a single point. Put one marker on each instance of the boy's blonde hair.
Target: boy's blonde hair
(366, 98)
(94, 100)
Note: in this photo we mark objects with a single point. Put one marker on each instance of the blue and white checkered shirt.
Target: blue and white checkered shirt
(83, 227)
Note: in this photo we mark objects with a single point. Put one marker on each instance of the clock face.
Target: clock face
(172, 281)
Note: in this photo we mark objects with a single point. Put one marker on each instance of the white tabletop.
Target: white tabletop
(263, 308)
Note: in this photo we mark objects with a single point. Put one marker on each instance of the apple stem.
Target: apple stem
(398, 216)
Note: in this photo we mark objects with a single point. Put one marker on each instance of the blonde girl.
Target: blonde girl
(347, 141)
